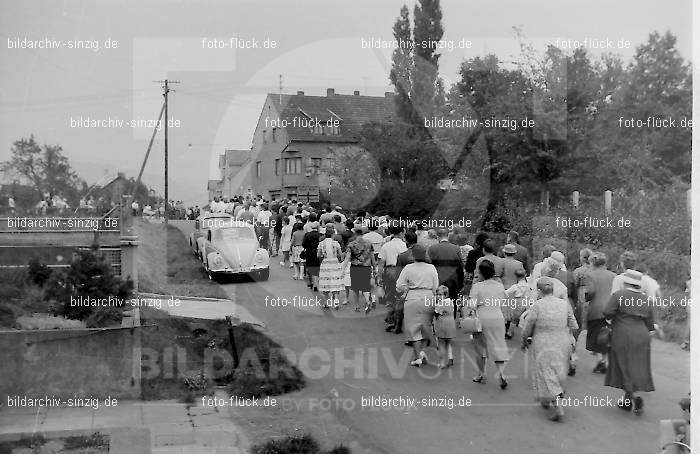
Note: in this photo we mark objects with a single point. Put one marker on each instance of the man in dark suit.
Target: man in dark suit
(445, 256)
(597, 282)
(521, 253)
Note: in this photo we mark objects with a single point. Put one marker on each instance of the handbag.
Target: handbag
(470, 324)
(604, 337)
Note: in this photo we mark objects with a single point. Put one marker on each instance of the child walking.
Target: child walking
(297, 249)
(444, 326)
(520, 299)
(285, 242)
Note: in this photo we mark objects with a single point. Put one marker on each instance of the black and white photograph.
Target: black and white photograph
(347, 226)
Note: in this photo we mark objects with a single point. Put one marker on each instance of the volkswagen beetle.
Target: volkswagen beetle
(234, 250)
(204, 222)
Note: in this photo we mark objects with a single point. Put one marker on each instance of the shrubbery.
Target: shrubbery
(302, 444)
(38, 273)
(89, 278)
(658, 221)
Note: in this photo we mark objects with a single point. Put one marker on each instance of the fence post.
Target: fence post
(608, 202)
(575, 198)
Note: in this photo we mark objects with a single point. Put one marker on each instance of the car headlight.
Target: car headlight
(259, 257)
(218, 261)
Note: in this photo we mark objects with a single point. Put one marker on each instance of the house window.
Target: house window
(264, 134)
(277, 166)
(316, 164)
(292, 165)
(274, 134)
(258, 168)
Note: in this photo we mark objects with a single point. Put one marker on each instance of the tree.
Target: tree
(659, 86)
(427, 32)
(402, 64)
(411, 165)
(354, 176)
(89, 277)
(414, 71)
(45, 167)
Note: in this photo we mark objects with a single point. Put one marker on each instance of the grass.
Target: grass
(166, 266)
(180, 347)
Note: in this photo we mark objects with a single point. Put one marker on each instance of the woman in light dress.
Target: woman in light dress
(419, 282)
(487, 296)
(330, 276)
(547, 333)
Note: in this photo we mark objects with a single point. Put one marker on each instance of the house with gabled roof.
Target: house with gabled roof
(295, 138)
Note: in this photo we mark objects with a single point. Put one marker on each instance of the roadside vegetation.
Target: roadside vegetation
(193, 356)
(39, 297)
(305, 444)
(165, 265)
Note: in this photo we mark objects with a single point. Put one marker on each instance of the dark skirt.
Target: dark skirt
(629, 365)
(592, 344)
(360, 278)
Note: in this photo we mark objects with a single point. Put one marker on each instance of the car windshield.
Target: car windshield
(216, 222)
(235, 233)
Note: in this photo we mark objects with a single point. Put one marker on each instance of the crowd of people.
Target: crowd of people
(434, 284)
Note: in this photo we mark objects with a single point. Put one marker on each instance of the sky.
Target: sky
(110, 55)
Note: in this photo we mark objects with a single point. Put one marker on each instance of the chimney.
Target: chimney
(121, 175)
(330, 92)
(300, 93)
(356, 92)
(388, 94)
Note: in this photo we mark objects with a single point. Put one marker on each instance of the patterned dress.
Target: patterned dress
(330, 276)
(549, 322)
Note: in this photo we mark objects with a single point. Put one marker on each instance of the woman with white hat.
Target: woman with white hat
(632, 319)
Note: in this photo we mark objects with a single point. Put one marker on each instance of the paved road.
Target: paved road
(352, 354)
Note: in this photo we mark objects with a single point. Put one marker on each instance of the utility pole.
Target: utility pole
(166, 90)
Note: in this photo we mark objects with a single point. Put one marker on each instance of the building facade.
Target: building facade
(295, 140)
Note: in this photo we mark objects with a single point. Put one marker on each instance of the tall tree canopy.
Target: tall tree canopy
(44, 167)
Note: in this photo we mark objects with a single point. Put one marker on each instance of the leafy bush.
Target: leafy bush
(38, 273)
(303, 444)
(89, 278)
(298, 444)
(657, 221)
(96, 440)
(249, 381)
(196, 381)
(12, 283)
(7, 315)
